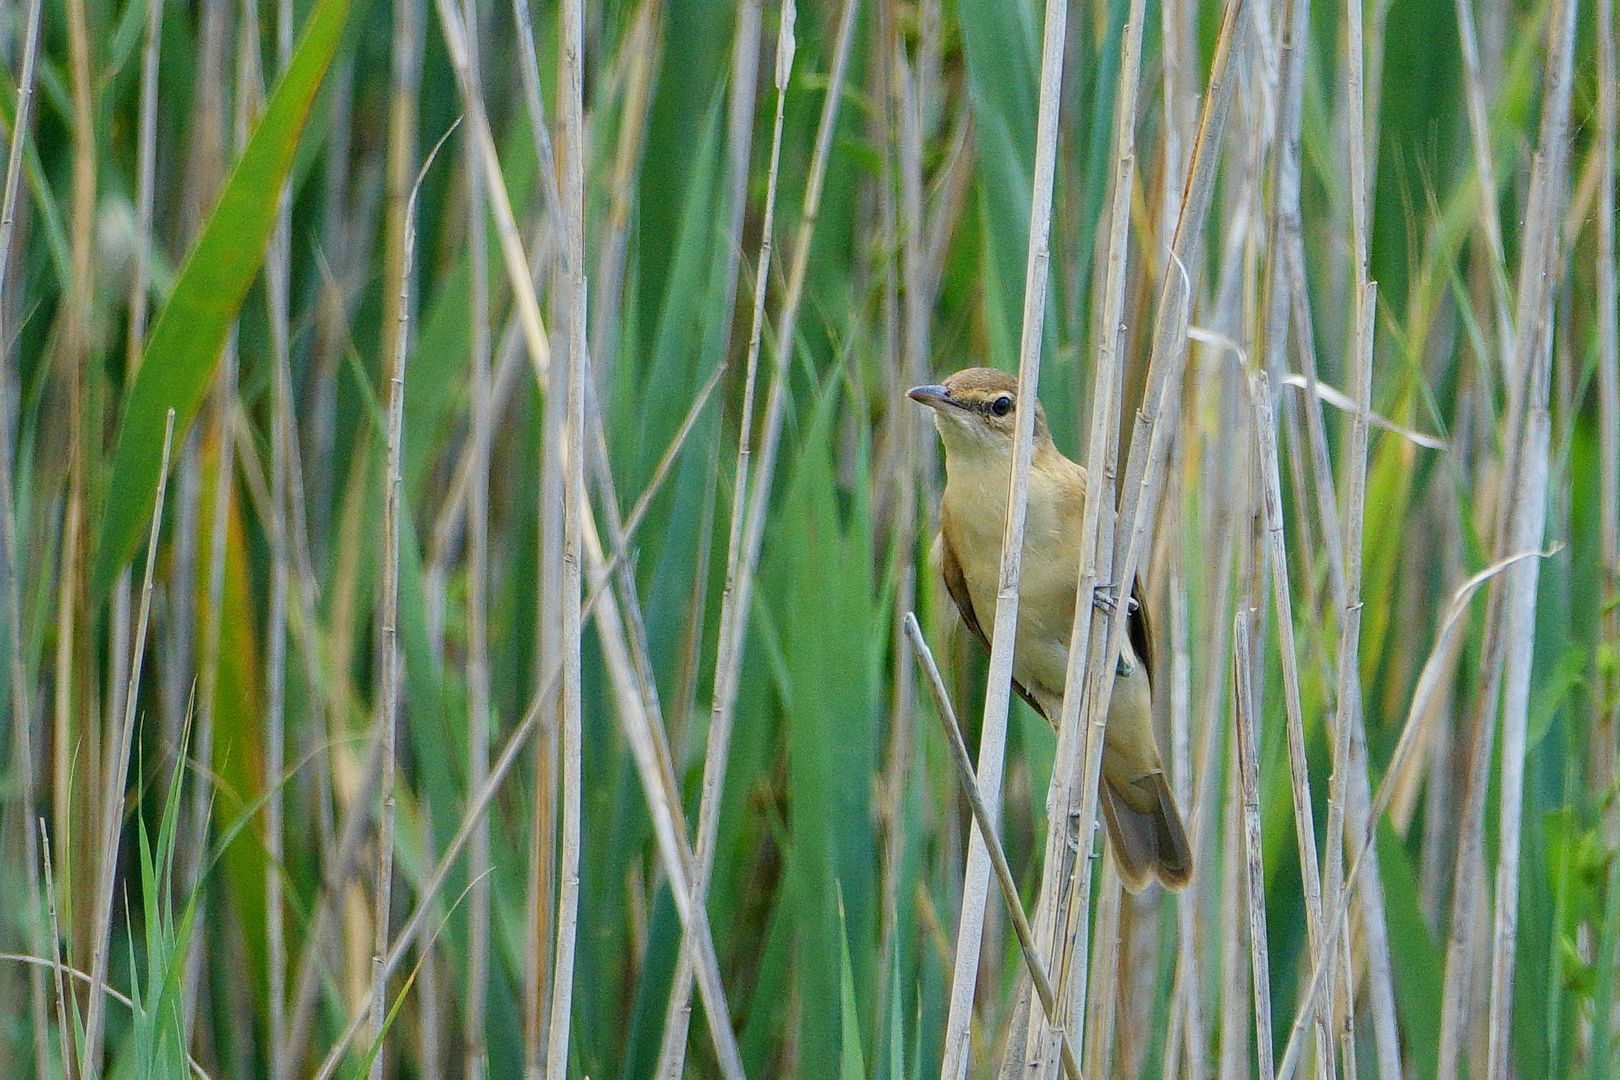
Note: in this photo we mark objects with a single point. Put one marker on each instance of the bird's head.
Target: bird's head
(976, 413)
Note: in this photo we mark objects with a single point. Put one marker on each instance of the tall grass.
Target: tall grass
(519, 659)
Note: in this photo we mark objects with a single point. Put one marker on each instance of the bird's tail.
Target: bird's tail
(1145, 830)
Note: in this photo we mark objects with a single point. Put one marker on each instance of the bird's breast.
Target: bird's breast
(1047, 577)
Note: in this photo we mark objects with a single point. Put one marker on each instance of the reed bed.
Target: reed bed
(465, 588)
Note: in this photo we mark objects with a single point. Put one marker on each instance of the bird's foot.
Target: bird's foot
(1105, 598)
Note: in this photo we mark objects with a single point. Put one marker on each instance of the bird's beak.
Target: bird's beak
(934, 396)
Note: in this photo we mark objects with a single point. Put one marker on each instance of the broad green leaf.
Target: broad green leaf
(184, 349)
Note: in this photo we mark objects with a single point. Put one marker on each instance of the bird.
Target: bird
(974, 411)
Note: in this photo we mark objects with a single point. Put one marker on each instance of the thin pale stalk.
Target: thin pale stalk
(516, 263)
(1246, 738)
(571, 49)
(677, 1016)
(993, 734)
(901, 450)
(77, 714)
(1154, 426)
(1537, 301)
(638, 708)
(1608, 322)
(1348, 692)
(1420, 710)
(1234, 990)
(22, 712)
(1064, 825)
(480, 421)
(1186, 1004)
(1276, 556)
(553, 596)
(1353, 797)
(282, 450)
(392, 663)
(1103, 1001)
(535, 110)
(982, 817)
(64, 1033)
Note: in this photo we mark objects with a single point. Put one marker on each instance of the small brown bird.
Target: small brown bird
(974, 411)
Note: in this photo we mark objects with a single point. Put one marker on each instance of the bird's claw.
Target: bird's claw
(1105, 598)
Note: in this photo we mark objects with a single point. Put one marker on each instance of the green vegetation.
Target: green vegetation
(457, 705)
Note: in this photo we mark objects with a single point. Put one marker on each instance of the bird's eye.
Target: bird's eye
(1002, 405)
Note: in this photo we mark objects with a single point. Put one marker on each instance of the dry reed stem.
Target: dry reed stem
(480, 421)
(112, 804)
(638, 709)
(571, 49)
(22, 714)
(1372, 907)
(535, 110)
(993, 734)
(630, 663)
(1246, 738)
(1380, 979)
(526, 309)
(283, 450)
(525, 301)
(957, 747)
(1186, 1006)
(1064, 797)
(1607, 752)
(1103, 1003)
(1419, 712)
(64, 1033)
(905, 359)
(1234, 978)
(1276, 556)
(1348, 694)
(1533, 352)
(749, 501)
(391, 674)
(1145, 463)
(1283, 227)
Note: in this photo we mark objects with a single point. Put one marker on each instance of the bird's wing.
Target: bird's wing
(1140, 630)
(956, 584)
